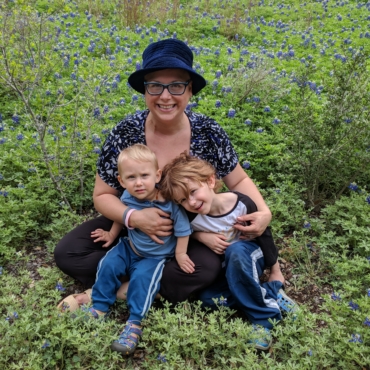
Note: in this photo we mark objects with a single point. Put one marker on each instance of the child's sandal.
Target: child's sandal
(127, 342)
(286, 303)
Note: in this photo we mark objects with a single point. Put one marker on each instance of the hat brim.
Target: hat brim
(137, 79)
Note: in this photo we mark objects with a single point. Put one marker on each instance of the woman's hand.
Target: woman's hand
(254, 224)
(216, 242)
(153, 222)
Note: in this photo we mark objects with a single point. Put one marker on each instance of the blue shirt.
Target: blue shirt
(142, 242)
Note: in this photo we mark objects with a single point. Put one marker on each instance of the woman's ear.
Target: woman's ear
(211, 181)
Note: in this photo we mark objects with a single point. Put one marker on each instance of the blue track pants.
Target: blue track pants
(145, 275)
(239, 284)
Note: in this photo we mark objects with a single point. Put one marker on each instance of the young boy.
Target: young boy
(192, 183)
(138, 256)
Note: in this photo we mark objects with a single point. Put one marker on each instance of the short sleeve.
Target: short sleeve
(210, 142)
(128, 132)
(181, 224)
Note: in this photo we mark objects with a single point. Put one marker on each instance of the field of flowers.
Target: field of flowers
(288, 81)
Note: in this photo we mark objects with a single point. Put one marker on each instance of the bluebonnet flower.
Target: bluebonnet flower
(306, 225)
(367, 322)
(15, 118)
(20, 137)
(248, 122)
(259, 130)
(215, 83)
(96, 112)
(46, 344)
(246, 165)
(353, 186)
(162, 358)
(20, 186)
(336, 297)
(218, 105)
(2, 140)
(59, 286)
(106, 108)
(122, 101)
(96, 139)
(276, 121)
(135, 98)
(309, 352)
(2, 128)
(96, 150)
(368, 199)
(1, 118)
(222, 301)
(231, 113)
(368, 291)
(57, 75)
(354, 306)
(138, 65)
(356, 338)
(1, 177)
(267, 109)
(277, 191)
(218, 74)
(1, 270)
(256, 99)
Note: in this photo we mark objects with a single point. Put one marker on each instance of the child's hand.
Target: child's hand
(185, 263)
(103, 236)
(216, 242)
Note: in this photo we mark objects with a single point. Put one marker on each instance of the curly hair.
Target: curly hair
(185, 167)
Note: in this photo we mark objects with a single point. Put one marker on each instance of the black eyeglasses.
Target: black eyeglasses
(174, 88)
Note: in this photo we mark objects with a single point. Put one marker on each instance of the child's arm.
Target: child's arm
(216, 242)
(107, 236)
(185, 263)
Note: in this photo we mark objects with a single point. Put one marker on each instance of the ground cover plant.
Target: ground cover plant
(288, 81)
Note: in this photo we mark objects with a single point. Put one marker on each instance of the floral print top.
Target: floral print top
(208, 141)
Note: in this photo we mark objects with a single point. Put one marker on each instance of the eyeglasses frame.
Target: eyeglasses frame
(165, 86)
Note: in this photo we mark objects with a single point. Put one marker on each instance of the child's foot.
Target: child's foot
(286, 304)
(128, 339)
(262, 338)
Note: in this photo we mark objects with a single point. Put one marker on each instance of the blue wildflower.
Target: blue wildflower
(267, 109)
(222, 301)
(336, 297)
(106, 108)
(20, 137)
(354, 306)
(162, 358)
(122, 101)
(367, 322)
(96, 139)
(15, 118)
(368, 199)
(138, 65)
(248, 122)
(46, 344)
(276, 121)
(259, 130)
(135, 97)
(353, 186)
(309, 352)
(368, 292)
(96, 112)
(96, 150)
(306, 225)
(231, 113)
(246, 165)
(1, 270)
(1, 177)
(277, 191)
(356, 338)
(59, 286)
(218, 105)
(218, 74)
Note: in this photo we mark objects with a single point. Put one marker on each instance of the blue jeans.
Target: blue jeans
(239, 284)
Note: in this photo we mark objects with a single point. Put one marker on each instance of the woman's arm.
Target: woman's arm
(239, 181)
(152, 221)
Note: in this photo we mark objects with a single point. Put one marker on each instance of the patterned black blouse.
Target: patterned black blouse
(208, 141)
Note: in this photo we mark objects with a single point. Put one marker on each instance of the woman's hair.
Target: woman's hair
(136, 152)
(185, 167)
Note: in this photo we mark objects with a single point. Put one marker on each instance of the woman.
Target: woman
(168, 81)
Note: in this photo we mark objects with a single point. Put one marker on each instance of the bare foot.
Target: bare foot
(82, 298)
(122, 291)
(276, 274)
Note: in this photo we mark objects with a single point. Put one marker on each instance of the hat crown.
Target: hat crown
(168, 53)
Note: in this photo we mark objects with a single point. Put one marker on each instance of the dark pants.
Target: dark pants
(78, 256)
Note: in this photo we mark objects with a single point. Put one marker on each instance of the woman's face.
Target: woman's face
(167, 107)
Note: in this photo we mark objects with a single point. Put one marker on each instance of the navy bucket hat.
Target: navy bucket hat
(166, 54)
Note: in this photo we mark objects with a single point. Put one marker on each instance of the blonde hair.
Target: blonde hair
(185, 167)
(136, 152)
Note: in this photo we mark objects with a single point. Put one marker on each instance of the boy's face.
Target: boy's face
(139, 178)
(200, 198)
